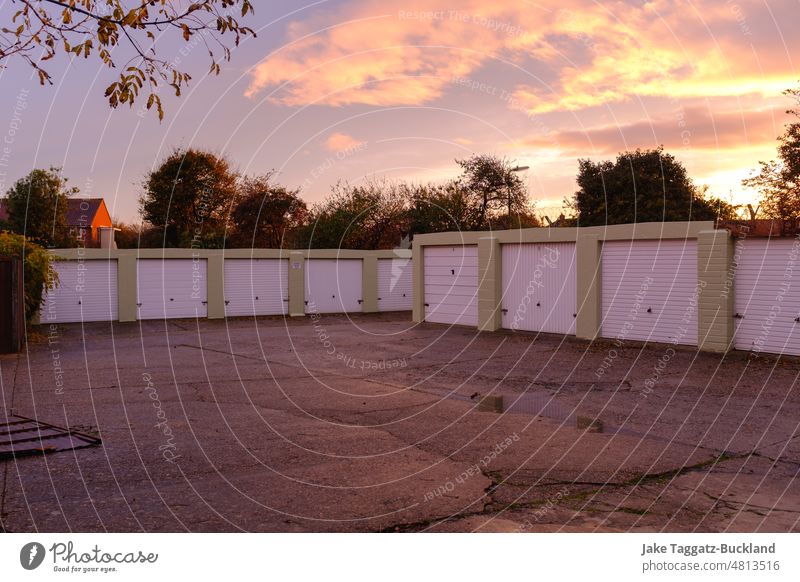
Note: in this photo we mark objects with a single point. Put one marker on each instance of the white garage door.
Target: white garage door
(333, 285)
(767, 296)
(394, 284)
(256, 287)
(171, 288)
(451, 284)
(539, 287)
(87, 291)
(649, 291)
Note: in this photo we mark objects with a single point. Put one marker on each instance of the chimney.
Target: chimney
(107, 237)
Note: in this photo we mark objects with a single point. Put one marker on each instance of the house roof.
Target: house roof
(81, 211)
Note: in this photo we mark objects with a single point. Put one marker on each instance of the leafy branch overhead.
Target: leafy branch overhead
(40, 29)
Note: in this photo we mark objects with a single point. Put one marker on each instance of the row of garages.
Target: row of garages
(649, 290)
(178, 288)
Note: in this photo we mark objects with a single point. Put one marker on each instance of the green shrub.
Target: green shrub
(38, 268)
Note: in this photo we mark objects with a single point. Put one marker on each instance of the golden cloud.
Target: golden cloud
(401, 53)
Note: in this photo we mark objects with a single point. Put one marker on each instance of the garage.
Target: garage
(87, 291)
(256, 287)
(649, 291)
(451, 284)
(394, 284)
(766, 299)
(539, 292)
(333, 285)
(171, 288)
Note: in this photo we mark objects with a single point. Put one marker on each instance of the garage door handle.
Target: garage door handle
(360, 301)
(797, 319)
(79, 302)
(738, 316)
(427, 305)
(227, 302)
(538, 304)
(504, 310)
(452, 271)
(649, 310)
(138, 305)
(306, 302)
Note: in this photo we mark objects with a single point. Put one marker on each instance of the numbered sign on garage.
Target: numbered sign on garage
(650, 291)
(256, 287)
(333, 285)
(451, 284)
(394, 285)
(539, 291)
(87, 291)
(767, 296)
(171, 288)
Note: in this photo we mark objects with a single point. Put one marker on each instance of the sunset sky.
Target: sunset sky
(344, 90)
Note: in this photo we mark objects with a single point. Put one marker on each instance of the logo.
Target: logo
(31, 555)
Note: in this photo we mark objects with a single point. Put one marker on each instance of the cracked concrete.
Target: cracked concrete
(272, 429)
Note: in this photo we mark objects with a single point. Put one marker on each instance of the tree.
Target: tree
(709, 207)
(494, 189)
(40, 29)
(37, 268)
(780, 194)
(519, 219)
(127, 236)
(370, 216)
(439, 208)
(37, 208)
(266, 215)
(640, 186)
(188, 197)
(778, 181)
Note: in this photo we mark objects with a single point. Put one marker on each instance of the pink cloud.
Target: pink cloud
(683, 129)
(338, 142)
(400, 53)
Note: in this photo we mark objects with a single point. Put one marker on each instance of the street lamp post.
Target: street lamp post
(514, 169)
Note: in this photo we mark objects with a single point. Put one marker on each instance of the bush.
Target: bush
(38, 268)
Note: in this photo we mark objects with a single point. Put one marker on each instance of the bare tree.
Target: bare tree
(493, 187)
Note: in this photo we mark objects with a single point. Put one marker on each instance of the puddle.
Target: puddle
(546, 405)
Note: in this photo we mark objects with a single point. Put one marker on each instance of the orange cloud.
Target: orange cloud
(585, 53)
(685, 129)
(384, 54)
(338, 142)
